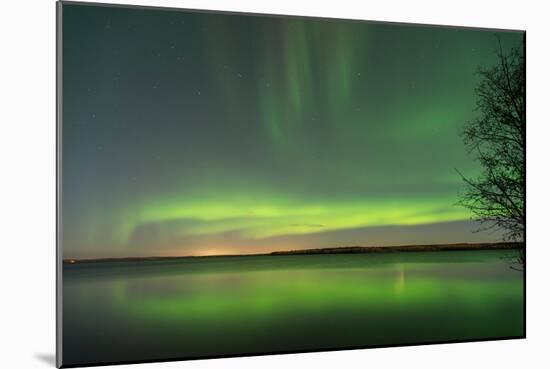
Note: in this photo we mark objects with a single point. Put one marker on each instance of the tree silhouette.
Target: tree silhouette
(497, 138)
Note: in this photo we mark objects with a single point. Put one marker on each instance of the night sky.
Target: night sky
(195, 134)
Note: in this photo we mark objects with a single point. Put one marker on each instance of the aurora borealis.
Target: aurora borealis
(187, 133)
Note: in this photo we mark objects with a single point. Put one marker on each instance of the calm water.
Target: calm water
(244, 305)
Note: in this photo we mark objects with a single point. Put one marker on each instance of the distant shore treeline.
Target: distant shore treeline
(328, 250)
(403, 248)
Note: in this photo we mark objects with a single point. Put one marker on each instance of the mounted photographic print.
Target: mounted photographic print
(238, 184)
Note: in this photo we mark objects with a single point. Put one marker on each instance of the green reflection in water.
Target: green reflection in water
(322, 291)
(223, 306)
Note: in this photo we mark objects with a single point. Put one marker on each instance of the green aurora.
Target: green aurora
(188, 133)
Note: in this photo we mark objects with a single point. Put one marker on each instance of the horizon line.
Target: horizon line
(457, 246)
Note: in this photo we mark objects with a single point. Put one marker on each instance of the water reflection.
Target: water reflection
(400, 280)
(229, 306)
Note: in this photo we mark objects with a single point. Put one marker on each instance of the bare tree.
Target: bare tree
(497, 137)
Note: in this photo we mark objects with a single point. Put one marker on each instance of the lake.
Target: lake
(220, 306)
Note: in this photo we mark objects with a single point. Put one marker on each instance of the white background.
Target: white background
(27, 193)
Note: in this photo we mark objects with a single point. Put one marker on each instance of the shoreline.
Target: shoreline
(323, 251)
